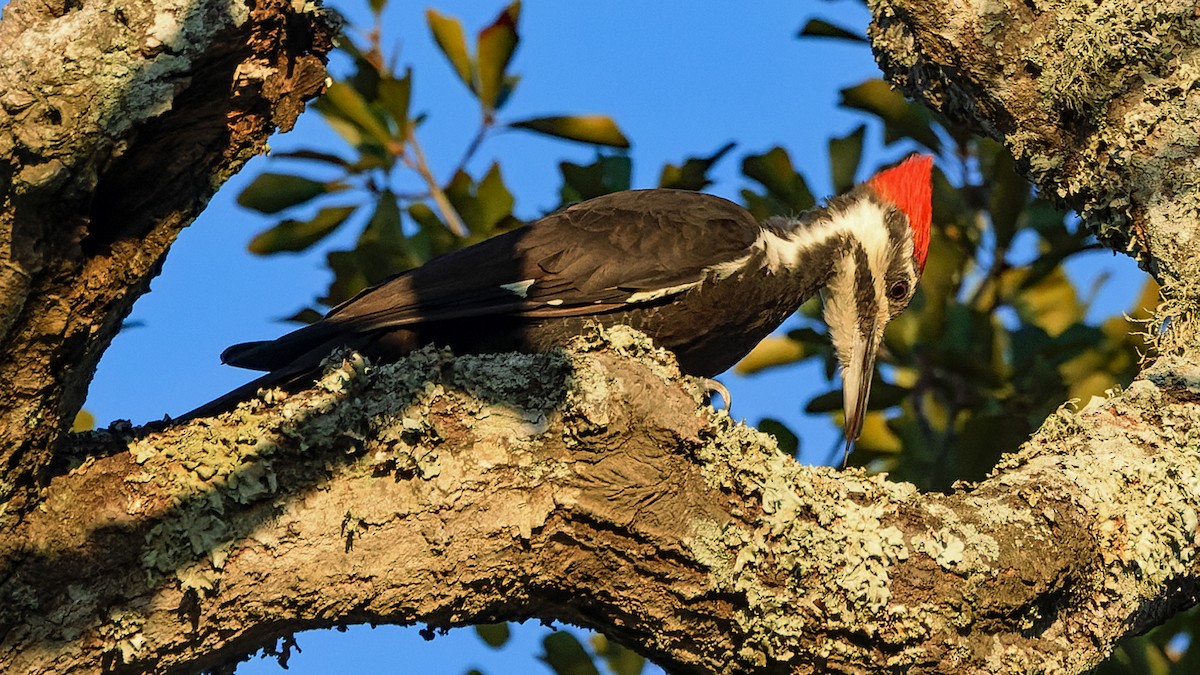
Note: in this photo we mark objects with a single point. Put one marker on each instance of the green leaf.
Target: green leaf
(773, 169)
(345, 101)
(693, 173)
(432, 237)
(787, 440)
(305, 316)
(819, 28)
(770, 352)
(597, 129)
(313, 156)
(425, 216)
(876, 436)
(343, 127)
(608, 174)
(845, 153)
(384, 225)
(494, 634)
(494, 200)
(1050, 304)
(377, 6)
(983, 438)
(382, 249)
(901, 119)
(297, 235)
(274, 192)
(883, 395)
(1007, 197)
(366, 77)
(506, 89)
(348, 278)
(448, 33)
(482, 206)
(566, 656)
(394, 94)
(494, 50)
(830, 401)
(620, 659)
(84, 421)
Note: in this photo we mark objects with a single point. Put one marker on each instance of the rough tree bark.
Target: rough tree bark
(588, 486)
(118, 120)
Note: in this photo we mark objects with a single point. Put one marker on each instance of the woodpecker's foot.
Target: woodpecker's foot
(711, 387)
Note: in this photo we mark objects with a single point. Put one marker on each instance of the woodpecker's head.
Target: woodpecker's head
(887, 224)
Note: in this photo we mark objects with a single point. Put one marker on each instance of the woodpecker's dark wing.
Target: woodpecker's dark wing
(609, 253)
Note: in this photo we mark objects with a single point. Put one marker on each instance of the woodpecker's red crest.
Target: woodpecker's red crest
(909, 186)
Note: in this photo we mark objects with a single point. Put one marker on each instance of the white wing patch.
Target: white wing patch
(726, 269)
(521, 288)
(647, 296)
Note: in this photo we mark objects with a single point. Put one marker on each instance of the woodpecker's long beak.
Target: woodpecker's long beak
(856, 341)
(856, 385)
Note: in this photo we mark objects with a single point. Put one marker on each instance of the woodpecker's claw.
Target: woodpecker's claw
(711, 387)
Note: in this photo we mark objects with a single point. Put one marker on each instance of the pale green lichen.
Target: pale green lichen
(943, 546)
(1103, 96)
(1132, 464)
(1174, 329)
(1111, 37)
(353, 407)
(528, 382)
(817, 524)
(236, 463)
(122, 634)
(1144, 154)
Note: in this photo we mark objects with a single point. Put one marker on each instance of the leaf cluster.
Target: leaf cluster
(564, 653)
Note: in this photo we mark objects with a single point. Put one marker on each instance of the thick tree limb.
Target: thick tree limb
(594, 488)
(118, 120)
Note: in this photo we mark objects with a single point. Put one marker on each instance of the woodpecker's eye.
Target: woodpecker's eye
(898, 291)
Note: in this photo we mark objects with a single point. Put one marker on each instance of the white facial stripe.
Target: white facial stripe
(841, 308)
(521, 288)
(867, 220)
(864, 218)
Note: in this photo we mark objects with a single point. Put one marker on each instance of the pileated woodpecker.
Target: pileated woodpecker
(695, 272)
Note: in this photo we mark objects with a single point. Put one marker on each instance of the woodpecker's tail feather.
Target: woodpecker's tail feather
(280, 352)
(229, 401)
(244, 353)
(295, 373)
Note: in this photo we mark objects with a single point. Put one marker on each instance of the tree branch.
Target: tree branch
(592, 487)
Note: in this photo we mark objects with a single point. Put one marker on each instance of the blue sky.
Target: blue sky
(680, 78)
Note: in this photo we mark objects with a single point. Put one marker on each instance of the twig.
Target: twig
(484, 127)
(421, 166)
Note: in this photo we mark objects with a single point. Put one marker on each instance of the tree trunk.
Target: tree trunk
(590, 486)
